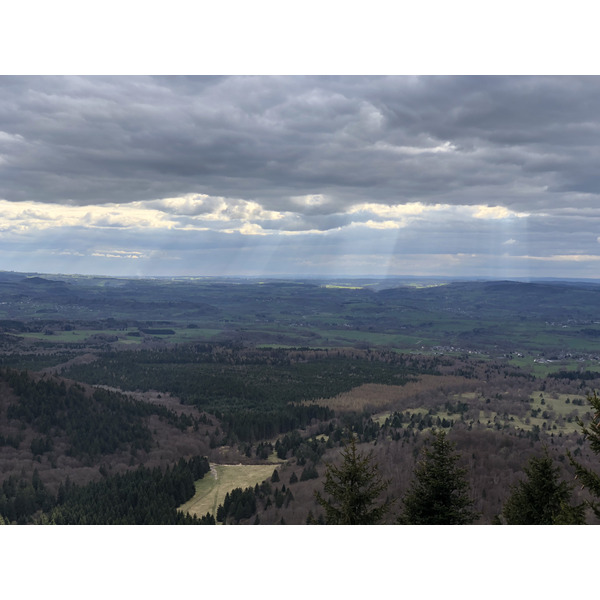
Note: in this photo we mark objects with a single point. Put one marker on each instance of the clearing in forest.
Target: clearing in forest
(376, 397)
(222, 479)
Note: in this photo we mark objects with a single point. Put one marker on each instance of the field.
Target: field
(132, 335)
(222, 479)
(538, 321)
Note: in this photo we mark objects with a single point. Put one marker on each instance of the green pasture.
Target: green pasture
(77, 336)
(191, 334)
(531, 364)
(212, 488)
(351, 336)
(530, 336)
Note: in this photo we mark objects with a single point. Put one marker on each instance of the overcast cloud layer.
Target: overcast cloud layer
(461, 176)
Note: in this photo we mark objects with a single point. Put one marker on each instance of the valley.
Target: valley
(104, 378)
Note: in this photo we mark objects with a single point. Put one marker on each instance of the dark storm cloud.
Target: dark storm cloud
(530, 143)
(300, 175)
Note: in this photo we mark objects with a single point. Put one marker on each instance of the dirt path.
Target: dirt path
(159, 398)
(213, 472)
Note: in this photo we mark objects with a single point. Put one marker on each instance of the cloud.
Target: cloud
(413, 166)
(382, 224)
(35, 216)
(273, 140)
(565, 258)
(127, 254)
(496, 212)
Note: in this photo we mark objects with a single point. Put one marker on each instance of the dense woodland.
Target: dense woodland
(256, 394)
(138, 497)
(94, 425)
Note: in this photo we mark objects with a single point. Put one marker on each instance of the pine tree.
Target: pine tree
(439, 491)
(354, 489)
(542, 499)
(589, 479)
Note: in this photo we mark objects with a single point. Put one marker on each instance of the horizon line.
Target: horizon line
(377, 277)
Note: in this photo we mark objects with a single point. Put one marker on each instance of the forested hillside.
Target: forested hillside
(53, 428)
(107, 418)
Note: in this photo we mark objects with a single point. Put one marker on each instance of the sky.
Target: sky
(350, 175)
(487, 176)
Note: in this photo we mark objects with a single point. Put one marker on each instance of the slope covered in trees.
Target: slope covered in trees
(94, 425)
(589, 477)
(490, 412)
(256, 393)
(139, 497)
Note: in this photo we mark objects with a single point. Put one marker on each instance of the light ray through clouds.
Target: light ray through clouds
(347, 176)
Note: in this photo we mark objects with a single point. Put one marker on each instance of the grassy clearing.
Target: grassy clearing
(554, 404)
(558, 403)
(212, 488)
(193, 334)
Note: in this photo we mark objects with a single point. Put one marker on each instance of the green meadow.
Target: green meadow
(222, 479)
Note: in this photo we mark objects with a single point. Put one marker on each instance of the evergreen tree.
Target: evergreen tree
(542, 499)
(354, 489)
(439, 491)
(589, 479)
